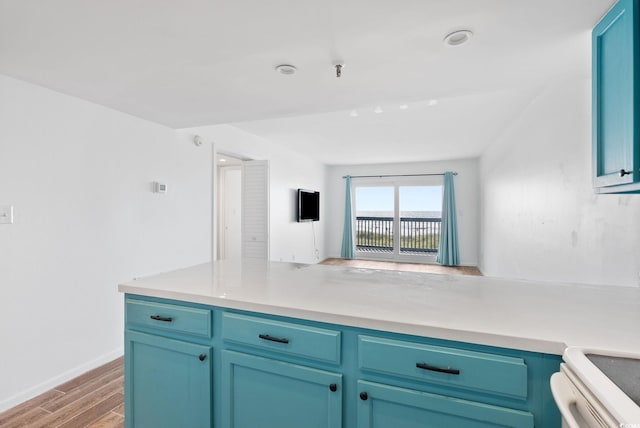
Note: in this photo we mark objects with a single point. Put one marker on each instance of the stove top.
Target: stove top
(612, 377)
(624, 372)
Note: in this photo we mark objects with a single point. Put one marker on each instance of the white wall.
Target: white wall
(541, 219)
(289, 240)
(79, 176)
(466, 188)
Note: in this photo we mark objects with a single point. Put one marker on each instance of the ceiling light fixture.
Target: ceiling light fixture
(457, 38)
(286, 69)
(378, 110)
(223, 160)
(354, 113)
(403, 106)
(433, 102)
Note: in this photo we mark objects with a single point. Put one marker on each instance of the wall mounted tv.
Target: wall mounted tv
(308, 205)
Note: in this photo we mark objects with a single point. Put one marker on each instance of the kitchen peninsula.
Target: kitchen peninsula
(235, 344)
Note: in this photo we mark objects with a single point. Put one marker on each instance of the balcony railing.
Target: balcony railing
(417, 234)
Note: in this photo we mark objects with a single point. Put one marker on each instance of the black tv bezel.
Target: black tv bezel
(299, 211)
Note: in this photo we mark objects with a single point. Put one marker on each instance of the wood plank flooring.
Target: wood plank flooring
(407, 267)
(94, 399)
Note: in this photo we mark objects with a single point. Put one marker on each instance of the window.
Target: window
(398, 220)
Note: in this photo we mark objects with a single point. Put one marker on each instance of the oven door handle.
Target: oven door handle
(564, 397)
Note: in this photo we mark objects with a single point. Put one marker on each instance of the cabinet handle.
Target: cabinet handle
(333, 387)
(623, 173)
(202, 357)
(449, 370)
(364, 396)
(161, 318)
(273, 339)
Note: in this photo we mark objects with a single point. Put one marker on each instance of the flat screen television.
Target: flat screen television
(308, 205)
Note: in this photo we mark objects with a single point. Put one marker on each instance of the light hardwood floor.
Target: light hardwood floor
(408, 267)
(94, 399)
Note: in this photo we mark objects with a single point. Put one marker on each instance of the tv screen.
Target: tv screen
(308, 205)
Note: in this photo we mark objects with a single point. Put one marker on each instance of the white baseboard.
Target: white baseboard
(60, 379)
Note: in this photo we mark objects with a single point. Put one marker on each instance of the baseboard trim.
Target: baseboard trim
(43, 387)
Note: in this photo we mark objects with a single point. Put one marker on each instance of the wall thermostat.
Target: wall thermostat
(160, 187)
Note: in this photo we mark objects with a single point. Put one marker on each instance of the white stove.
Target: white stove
(598, 389)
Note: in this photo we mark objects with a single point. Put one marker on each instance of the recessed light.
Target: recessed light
(403, 106)
(354, 113)
(222, 160)
(433, 102)
(286, 69)
(458, 38)
(377, 110)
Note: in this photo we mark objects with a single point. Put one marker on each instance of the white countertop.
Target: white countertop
(534, 316)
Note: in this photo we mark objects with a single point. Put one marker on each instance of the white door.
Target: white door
(231, 191)
(255, 209)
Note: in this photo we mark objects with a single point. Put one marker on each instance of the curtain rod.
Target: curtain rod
(395, 175)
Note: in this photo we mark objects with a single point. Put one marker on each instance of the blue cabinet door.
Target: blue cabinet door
(616, 146)
(167, 383)
(267, 393)
(388, 406)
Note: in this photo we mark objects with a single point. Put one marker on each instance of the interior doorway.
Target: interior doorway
(229, 206)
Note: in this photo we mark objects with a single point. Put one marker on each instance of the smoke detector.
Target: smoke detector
(286, 69)
(457, 38)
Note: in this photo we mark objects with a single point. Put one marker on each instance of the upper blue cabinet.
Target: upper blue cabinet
(616, 144)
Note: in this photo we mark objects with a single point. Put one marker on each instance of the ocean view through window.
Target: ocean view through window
(398, 221)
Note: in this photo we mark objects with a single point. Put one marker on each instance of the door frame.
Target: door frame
(222, 192)
(215, 197)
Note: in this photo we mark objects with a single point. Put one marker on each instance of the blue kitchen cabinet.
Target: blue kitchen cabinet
(616, 97)
(382, 405)
(168, 365)
(193, 365)
(168, 382)
(269, 393)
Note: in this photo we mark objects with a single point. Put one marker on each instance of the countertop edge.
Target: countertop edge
(438, 332)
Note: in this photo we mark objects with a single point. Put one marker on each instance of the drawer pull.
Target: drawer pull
(161, 318)
(448, 370)
(623, 172)
(273, 339)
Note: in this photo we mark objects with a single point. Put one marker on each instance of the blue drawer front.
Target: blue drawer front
(475, 370)
(168, 317)
(288, 338)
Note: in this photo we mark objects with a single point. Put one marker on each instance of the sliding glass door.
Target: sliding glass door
(375, 213)
(420, 219)
(398, 221)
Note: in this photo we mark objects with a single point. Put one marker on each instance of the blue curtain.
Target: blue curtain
(348, 248)
(448, 253)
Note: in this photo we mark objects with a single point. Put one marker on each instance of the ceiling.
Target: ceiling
(202, 62)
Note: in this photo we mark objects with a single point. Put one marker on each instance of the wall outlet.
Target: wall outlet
(6, 214)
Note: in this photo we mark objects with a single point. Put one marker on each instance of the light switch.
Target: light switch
(6, 214)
